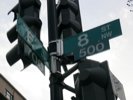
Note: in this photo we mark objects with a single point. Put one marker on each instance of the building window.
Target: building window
(8, 95)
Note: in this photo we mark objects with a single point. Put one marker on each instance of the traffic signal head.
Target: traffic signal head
(12, 34)
(13, 55)
(17, 53)
(91, 71)
(68, 23)
(15, 10)
(29, 11)
(93, 82)
(68, 18)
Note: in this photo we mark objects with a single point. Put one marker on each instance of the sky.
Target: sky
(34, 85)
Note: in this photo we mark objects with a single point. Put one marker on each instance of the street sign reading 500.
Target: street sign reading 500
(90, 49)
(92, 41)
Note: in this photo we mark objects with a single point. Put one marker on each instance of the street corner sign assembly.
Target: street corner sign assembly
(93, 41)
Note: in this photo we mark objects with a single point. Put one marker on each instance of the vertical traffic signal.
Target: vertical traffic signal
(29, 11)
(93, 82)
(68, 18)
(68, 23)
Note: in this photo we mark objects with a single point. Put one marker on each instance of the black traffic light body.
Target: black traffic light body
(68, 18)
(68, 23)
(93, 82)
(29, 11)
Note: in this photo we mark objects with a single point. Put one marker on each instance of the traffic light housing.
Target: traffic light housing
(68, 23)
(68, 18)
(29, 11)
(93, 82)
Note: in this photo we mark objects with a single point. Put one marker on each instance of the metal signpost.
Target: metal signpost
(33, 47)
(56, 91)
(92, 41)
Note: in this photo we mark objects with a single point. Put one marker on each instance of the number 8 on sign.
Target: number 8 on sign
(83, 40)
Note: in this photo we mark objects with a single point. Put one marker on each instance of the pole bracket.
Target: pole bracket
(56, 47)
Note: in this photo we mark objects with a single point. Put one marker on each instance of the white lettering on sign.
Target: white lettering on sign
(37, 61)
(106, 31)
(29, 37)
(99, 47)
(106, 35)
(89, 50)
(105, 28)
(83, 40)
(34, 58)
(27, 50)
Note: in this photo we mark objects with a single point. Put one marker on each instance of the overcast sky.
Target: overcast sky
(34, 85)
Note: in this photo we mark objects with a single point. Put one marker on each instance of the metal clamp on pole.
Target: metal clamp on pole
(56, 47)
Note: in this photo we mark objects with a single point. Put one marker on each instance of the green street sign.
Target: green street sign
(33, 43)
(34, 58)
(92, 41)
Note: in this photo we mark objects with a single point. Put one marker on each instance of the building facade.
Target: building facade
(8, 91)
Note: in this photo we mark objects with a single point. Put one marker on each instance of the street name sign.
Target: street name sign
(34, 58)
(33, 47)
(92, 41)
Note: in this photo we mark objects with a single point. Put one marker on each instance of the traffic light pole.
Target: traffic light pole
(55, 88)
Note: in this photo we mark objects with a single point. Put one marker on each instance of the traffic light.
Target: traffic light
(68, 18)
(93, 82)
(68, 23)
(29, 11)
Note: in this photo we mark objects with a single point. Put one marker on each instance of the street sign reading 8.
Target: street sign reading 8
(91, 49)
(83, 40)
(92, 41)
